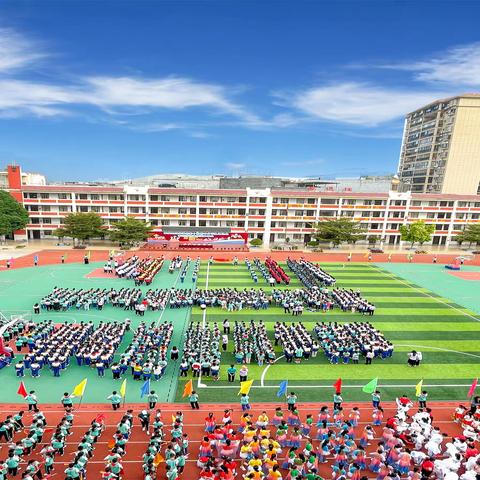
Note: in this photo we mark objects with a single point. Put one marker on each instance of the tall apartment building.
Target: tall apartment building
(441, 147)
(273, 214)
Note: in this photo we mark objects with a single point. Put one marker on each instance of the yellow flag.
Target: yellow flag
(123, 388)
(188, 389)
(112, 253)
(418, 388)
(79, 389)
(245, 387)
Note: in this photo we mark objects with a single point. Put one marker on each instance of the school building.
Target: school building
(277, 215)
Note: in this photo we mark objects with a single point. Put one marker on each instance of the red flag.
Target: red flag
(22, 390)
(473, 387)
(338, 386)
(100, 418)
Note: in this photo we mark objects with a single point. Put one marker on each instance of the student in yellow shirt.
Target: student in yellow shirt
(274, 473)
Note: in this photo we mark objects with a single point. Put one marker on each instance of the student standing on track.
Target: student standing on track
(152, 399)
(66, 400)
(292, 401)
(422, 399)
(337, 400)
(245, 402)
(32, 401)
(115, 399)
(193, 399)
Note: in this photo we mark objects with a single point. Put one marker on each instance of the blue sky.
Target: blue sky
(110, 90)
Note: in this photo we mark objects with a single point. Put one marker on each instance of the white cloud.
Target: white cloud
(457, 66)
(120, 95)
(359, 103)
(197, 134)
(16, 51)
(115, 95)
(171, 93)
(157, 127)
(235, 166)
(303, 163)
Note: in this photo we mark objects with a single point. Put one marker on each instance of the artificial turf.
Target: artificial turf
(431, 312)
(411, 316)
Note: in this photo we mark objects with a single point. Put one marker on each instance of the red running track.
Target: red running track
(51, 257)
(194, 426)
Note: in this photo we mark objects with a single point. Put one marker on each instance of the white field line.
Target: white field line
(426, 294)
(167, 300)
(204, 322)
(437, 348)
(265, 370)
(347, 386)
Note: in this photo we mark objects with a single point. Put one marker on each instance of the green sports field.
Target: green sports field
(410, 315)
(418, 306)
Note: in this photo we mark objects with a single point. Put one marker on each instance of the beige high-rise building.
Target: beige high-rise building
(441, 147)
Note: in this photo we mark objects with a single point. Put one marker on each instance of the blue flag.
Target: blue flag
(282, 389)
(145, 389)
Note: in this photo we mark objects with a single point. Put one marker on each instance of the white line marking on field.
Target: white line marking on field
(347, 386)
(437, 348)
(167, 299)
(265, 370)
(425, 293)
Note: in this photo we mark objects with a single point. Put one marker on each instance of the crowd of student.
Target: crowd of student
(176, 450)
(19, 449)
(348, 300)
(309, 274)
(276, 271)
(201, 351)
(143, 271)
(62, 299)
(53, 347)
(287, 445)
(146, 355)
(345, 342)
(294, 446)
(251, 342)
(296, 341)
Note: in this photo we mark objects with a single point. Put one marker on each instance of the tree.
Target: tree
(256, 242)
(417, 232)
(130, 231)
(81, 226)
(372, 239)
(339, 230)
(471, 234)
(13, 216)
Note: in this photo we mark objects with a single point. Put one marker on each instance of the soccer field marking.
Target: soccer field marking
(418, 289)
(167, 300)
(413, 385)
(437, 348)
(204, 323)
(265, 370)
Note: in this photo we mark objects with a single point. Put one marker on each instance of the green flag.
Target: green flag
(371, 386)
